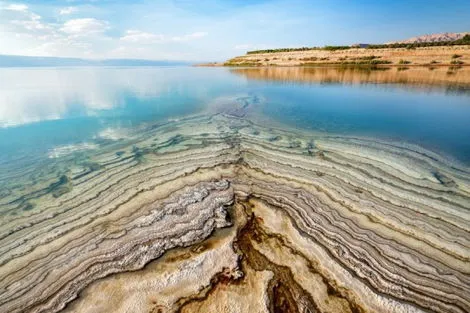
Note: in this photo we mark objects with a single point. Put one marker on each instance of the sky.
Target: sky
(213, 30)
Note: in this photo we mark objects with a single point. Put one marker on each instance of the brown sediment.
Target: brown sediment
(284, 293)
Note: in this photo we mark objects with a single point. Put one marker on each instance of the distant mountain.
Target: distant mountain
(433, 38)
(28, 61)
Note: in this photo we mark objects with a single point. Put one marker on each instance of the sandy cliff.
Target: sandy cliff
(436, 56)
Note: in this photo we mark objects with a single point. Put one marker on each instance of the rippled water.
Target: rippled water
(50, 112)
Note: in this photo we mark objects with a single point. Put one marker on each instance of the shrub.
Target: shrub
(371, 57)
(309, 59)
(463, 41)
(404, 62)
(456, 56)
(380, 62)
(451, 71)
(282, 50)
(456, 62)
(366, 62)
(249, 64)
(334, 48)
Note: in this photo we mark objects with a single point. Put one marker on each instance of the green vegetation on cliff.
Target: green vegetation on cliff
(463, 41)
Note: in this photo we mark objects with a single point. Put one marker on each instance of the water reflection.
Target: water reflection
(45, 109)
(33, 95)
(78, 109)
(450, 79)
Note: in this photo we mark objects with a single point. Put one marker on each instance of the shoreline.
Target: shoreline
(335, 65)
(436, 56)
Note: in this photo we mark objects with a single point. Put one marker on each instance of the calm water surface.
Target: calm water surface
(61, 108)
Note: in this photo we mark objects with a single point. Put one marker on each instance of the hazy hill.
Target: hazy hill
(434, 38)
(29, 61)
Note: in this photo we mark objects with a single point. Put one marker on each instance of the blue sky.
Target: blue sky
(213, 30)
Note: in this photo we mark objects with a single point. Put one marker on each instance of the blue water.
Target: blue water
(437, 121)
(44, 108)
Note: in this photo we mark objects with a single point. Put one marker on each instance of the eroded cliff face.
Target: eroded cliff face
(216, 213)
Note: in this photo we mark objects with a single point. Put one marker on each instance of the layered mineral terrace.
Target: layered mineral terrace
(217, 213)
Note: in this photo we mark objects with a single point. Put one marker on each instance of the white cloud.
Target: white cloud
(19, 20)
(189, 36)
(61, 151)
(59, 33)
(84, 26)
(113, 133)
(31, 23)
(16, 7)
(31, 96)
(136, 36)
(24, 32)
(68, 10)
(140, 37)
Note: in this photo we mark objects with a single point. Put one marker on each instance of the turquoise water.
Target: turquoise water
(42, 109)
(437, 121)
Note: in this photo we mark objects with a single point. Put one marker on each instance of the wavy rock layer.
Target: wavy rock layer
(219, 214)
